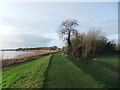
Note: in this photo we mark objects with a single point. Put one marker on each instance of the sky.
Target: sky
(36, 24)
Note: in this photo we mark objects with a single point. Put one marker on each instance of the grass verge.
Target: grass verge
(62, 73)
(26, 75)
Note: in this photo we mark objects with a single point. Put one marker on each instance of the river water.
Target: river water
(12, 54)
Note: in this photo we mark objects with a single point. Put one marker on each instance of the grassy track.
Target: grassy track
(62, 73)
(109, 61)
(26, 75)
(88, 66)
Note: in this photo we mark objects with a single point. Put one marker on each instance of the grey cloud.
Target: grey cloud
(26, 40)
(29, 25)
(23, 24)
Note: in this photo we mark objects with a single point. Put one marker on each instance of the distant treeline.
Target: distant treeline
(36, 48)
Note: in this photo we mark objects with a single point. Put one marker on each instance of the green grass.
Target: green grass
(109, 61)
(62, 73)
(98, 73)
(26, 75)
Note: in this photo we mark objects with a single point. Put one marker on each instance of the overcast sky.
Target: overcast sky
(36, 24)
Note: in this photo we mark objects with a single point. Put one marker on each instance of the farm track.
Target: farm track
(108, 70)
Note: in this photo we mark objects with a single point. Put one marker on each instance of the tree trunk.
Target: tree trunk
(69, 42)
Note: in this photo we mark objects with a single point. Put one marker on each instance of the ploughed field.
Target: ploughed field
(59, 71)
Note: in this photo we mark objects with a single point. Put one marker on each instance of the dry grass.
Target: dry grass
(42, 50)
(38, 53)
(25, 57)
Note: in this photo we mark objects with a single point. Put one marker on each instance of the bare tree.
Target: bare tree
(89, 42)
(67, 30)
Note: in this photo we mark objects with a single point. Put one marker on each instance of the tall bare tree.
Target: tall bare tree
(67, 30)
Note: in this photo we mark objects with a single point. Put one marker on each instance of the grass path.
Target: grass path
(108, 70)
(27, 75)
(109, 61)
(62, 73)
(97, 72)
